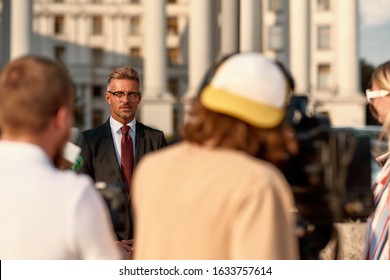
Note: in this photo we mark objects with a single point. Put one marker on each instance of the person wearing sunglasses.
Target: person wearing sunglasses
(377, 95)
(377, 234)
(378, 104)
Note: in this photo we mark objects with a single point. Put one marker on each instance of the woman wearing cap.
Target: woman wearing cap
(377, 235)
(208, 196)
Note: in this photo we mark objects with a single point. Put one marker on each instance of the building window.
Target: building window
(97, 117)
(59, 25)
(135, 26)
(324, 78)
(97, 56)
(173, 85)
(135, 52)
(97, 91)
(323, 37)
(97, 25)
(173, 28)
(59, 53)
(135, 56)
(275, 38)
(275, 6)
(323, 5)
(173, 56)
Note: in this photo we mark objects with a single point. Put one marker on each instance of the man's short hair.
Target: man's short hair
(124, 73)
(32, 90)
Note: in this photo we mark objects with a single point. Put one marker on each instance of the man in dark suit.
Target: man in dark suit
(107, 157)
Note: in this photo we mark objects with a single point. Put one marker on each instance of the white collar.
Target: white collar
(12, 150)
(116, 126)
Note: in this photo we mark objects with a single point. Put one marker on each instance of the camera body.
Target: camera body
(115, 195)
(330, 177)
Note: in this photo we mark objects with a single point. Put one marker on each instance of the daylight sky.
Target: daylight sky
(374, 30)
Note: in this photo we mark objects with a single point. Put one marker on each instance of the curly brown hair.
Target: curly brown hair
(210, 128)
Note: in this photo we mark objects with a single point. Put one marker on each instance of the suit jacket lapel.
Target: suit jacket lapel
(108, 145)
(139, 142)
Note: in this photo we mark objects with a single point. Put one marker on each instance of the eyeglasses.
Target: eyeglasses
(133, 96)
(371, 94)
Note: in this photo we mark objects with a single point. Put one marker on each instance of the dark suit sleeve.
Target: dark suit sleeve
(163, 141)
(87, 167)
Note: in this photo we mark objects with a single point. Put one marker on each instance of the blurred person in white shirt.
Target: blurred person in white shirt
(45, 212)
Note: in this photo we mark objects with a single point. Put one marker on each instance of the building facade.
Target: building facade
(173, 42)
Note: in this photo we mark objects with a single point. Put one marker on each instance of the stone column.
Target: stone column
(121, 44)
(156, 104)
(111, 36)
(85, 90)
(299, 44)
(347, 47)
(155, 68)
(45, 22)
(84, 69)
(21, 27)
(72, 45)
(250, 25)
(83, 34)
(5, 33)
(200, 45)
(347, 106)
(229, 26)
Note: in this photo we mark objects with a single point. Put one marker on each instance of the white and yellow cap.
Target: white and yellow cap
(249, 87)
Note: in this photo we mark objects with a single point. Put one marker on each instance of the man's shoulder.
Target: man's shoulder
(148, 129)
(145, 127)
(96, 130)
(70, 183)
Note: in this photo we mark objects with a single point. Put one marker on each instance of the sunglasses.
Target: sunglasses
(371, 94)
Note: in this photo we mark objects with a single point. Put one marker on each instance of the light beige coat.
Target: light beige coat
(193, 202)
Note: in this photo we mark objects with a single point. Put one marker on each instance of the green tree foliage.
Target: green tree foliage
(366, 71)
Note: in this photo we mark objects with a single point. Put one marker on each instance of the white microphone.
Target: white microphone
(72, 149)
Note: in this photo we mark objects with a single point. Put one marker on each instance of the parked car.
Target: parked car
(363, 169)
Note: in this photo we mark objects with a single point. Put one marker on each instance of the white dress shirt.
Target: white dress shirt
(117, 136)
(46, 213)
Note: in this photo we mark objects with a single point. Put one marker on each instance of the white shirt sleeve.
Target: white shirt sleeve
(94, 236)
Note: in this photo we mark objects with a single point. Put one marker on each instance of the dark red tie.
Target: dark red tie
(127, 154)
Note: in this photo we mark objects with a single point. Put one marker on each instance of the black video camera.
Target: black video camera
(330, 177)
(115, 195)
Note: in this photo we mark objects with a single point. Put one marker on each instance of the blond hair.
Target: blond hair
(381, 78)
(124, 73)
